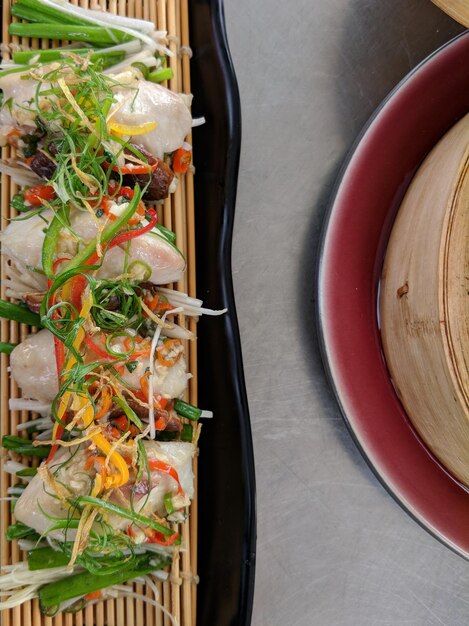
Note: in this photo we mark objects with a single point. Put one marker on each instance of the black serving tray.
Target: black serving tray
(226, 485)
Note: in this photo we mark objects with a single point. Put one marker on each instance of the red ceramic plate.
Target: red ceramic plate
(377, 173)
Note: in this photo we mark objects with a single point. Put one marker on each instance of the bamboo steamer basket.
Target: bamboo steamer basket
(424, 301)
(457, 9)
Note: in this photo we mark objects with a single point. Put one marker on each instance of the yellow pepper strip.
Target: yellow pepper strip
(116, 480)
(128, 129)
(71, 361)
(98, 485)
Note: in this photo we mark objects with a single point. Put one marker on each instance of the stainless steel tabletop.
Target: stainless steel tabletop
(333, 547)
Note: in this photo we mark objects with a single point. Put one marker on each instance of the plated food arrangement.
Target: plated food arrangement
(101, 442)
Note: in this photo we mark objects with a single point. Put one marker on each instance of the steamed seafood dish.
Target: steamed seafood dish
(104, 463)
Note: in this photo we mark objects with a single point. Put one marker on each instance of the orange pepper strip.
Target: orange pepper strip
(136, 352)
(94, 595)
(168, 344)
(105, 404)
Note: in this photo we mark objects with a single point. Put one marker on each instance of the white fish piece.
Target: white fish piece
(166, 263)
(22, 241)
(33, 367)
(152, 102)
(37, 501)
(169, 382)
(22, 92)
(37, 498)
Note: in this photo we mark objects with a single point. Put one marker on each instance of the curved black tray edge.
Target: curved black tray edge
(226, 509)
(319, 302)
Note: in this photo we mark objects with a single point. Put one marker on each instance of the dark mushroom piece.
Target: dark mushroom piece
(160, 179)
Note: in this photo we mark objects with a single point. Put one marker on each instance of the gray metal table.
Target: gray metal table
(333, 547)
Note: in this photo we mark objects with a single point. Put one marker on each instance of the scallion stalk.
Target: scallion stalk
(90, 34)
(45, 558)
(19, 531)
(18, 313)
(7, 348)
(79, 585)
(161, 74)
(167, 233)
(136, 518)
(108, 57)
(187, 410)
(24, 446)
(27, 471)
(187, 432)
(50, 14)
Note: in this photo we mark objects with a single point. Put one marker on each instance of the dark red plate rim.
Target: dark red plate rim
(366, 198)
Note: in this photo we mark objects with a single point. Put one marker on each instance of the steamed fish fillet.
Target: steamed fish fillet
(39, 501)
(166, 263)
(20, 92)
(33, 368)
(154, 103)
(137, 102)
(22, 241)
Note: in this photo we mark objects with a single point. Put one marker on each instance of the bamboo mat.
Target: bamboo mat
(178, 595)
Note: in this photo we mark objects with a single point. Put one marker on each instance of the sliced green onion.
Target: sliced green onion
(129, 412)
(17, 202)
(187, 432)
(114, 336)
(131, 366)
(168, 503)
(187, 410)
(18, 313)
(19, 486)
(167, 233)
(16, 70)
(136, 518)
(7, 348)
(161, 74)
(142, 67)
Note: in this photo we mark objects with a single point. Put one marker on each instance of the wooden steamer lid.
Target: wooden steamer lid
(424, 305)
